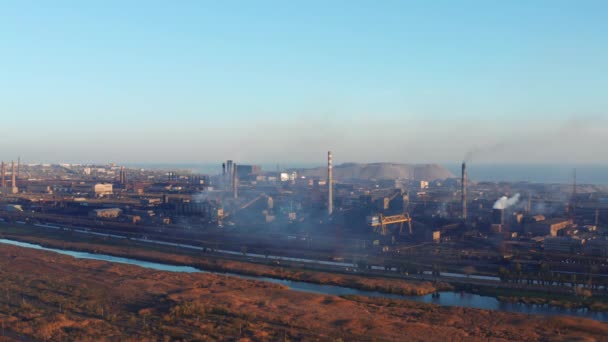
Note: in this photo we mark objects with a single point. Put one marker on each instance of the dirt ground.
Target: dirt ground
(47, 296)
(166, 255)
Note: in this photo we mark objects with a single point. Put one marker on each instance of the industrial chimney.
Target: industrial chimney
(464, 192)
(330, 180)
(18, 166)
(230, 174)
(229, 167)
(235, 181)
(13, 180)
(3, 175)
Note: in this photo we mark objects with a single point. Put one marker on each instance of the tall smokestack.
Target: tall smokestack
(229, 167)
(3, 175)
(123, 176)
(230, 174)
(573, 204)
(235, 181)
(18, 166)
(464, 191)
(13, 174)
(330, 180)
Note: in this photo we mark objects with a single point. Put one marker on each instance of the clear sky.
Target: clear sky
(284, 81)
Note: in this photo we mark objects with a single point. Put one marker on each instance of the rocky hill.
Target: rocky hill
(381, 171)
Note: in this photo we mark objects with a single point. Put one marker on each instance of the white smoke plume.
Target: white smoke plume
(504, 202)
(201, 196)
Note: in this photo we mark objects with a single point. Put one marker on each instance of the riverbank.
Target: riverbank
(55, 297)
(291, 270)
(205, 261)
(584, 300)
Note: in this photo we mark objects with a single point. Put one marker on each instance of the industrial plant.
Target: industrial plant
(404, 223)
(352, 211)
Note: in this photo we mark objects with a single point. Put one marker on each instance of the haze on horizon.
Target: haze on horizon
(271, 81)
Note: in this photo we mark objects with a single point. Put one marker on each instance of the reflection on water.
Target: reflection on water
(446, 298)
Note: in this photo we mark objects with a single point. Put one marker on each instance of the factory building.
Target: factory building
(110, 213)
(243, 172)
(102, 189)
(38, 188)
(597, 247)
(548, 227)
(9, 190)
(562, 244)
(192, 208)
(81, 188)
(424, 185)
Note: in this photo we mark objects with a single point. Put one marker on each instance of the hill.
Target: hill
(381, 171)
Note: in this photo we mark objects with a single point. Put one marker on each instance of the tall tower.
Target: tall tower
(13, 179)
(18, 166)
(235, 181)
(123, 176)
(573, 204)
(464, 192)
(330, 180)
(230, 173)
(229, 166)
(3, 183)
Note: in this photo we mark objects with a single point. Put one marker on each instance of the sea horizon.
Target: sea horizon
(594, 174)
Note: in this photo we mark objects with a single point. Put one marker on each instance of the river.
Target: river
(445, 298)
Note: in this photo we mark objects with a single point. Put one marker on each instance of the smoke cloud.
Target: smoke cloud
(504, 202)
(484, 151)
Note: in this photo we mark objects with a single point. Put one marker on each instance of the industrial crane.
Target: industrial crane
(380, 222)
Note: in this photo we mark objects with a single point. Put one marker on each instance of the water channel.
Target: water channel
(445, 298)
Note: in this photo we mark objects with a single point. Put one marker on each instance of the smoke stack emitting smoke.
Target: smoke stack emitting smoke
(504, 202)
(3, 175)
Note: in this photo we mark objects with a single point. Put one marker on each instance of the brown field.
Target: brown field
(169, 255)
(47, 296)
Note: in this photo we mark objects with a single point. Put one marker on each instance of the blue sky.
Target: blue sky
(266, 81)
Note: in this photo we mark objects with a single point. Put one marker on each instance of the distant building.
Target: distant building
(547, 227)
(134, 219)
(436, 236)
(9, 190)
(561, 244)
(424, 185)
(496, 228)
(597, 247)
(245, 171)
(151, 201)
(80, 188)
(37, 188)
(102, 189)
(110, 213)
